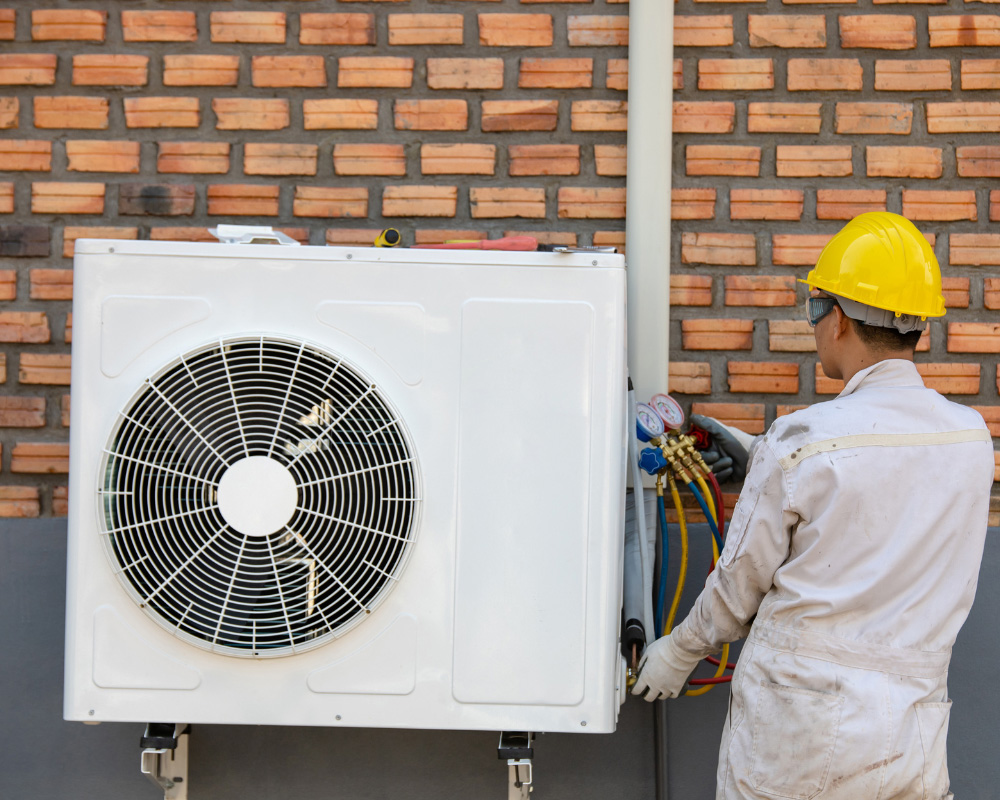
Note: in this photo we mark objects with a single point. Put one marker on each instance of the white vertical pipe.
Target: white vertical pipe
(647, 222)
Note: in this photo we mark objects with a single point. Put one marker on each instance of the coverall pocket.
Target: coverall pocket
(795, 732)
(932, 721)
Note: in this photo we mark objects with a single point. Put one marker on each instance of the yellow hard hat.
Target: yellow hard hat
(882, 260)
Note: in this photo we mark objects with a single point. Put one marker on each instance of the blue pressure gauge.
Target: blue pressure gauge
(648, 424)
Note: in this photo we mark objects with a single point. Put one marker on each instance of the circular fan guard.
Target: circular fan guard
(302, 442)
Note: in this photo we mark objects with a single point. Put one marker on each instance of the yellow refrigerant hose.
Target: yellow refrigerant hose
(682, 577)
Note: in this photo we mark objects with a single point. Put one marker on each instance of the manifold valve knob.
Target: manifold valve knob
(652, 461)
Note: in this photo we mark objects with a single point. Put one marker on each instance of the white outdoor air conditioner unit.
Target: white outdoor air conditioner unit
(346, 486)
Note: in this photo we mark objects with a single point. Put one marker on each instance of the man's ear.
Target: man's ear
(842, 322)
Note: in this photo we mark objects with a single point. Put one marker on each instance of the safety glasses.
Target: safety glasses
(819, 307)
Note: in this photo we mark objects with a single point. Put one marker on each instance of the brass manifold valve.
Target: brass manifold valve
(674, 451)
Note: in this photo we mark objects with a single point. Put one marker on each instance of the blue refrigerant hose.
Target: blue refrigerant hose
(661, 599)
(708, 515)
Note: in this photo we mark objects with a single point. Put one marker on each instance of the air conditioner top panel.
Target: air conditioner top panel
(355, 254)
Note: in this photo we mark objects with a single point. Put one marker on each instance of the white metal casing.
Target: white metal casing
(508, 371)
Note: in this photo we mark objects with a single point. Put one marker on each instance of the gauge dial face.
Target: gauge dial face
(648, 420)
(669, 410)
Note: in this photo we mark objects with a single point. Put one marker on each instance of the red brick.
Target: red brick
(784, 118)
(967, 30)
(544, 159)
(903, 162)
(333, 29)
(162, 112)
(920, 75)
(431, 115)
(519, 115)
(717, 334)
(293, 72)
(766, 204)
(956, 292)
(748, 417)
(242, 199)
(848, 203)
(599, 115)
(974, 249)
(243, 113)
(703, 31)
(707, 159)
(215, 70)
(980, 73)
(24, 327)
(973, 337)
(515, 30)
(465, 73)
(63, 24)
(159, 26)
(991, 415)
(704, 117)
(939, 205)
(732, 74)
(50, 369)
(70, 234)
(500, 202)
(181, 234)
(330, 202)
(51, 284)
(597, 31)
(690, 290)
(878, 31)
(8, 285)
(787, 30)
(994, 205)
(617, 74)
(591, 203)
(6, 197)
(27, 69)
(419, 201)
(790, 336)
(64, 411)
(337, 114)
(415, 29)
(369, 159)
(8, 20)
(193, 157)
(723, 249)
(766, 377)
(784, 409)
(67, 198)
(874, 118)
(824, 74)
(690, 377)
(951, 378)
(248, 27)
(110, 69)
(265, 158)
(963, 117)
(346, 237)
(692, 203)
(458, 159)
(375, 71)
(156, 199)
(991, 293)
(615, 239)
(40, 458)
(19, 501)
(60, 498)
(555, 73)
(811, 161)
(95, 155)
(3, 367)
(609, 160)
(25, 155)
(10, 108)
(825, 385)
(760, 290)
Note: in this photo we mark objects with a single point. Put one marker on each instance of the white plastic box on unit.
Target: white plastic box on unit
(346, 486)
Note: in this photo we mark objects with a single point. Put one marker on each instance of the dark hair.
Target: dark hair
(882, 339)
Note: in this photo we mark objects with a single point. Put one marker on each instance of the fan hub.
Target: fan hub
(257, 496)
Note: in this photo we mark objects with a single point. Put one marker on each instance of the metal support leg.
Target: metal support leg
(515, 747)
(165, 758)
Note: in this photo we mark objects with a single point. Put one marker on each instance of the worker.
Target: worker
(852, 556)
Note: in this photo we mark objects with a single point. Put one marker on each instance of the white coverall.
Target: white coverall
(856, 542)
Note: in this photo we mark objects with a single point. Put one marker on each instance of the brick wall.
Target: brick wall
(478, 118)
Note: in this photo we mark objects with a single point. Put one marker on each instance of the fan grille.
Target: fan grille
(259, 497)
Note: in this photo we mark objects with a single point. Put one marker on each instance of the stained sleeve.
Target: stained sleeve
(758, 539)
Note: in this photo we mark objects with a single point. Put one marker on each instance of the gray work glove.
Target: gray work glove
(729, 452)
(663, 670)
